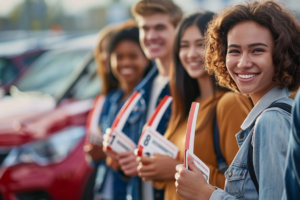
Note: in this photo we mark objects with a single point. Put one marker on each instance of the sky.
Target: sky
(73, 7)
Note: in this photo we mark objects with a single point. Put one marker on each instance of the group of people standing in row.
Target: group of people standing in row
(240, 64)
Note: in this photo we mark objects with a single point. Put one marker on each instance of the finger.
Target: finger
(176, 184)
(129, 166)
(125, 160)
(108, 131)
(148, 175)
(159, 155)
(125, 154)
(145, 159)
(145, 168)
(192, 165)
(136, 151)
(179, 168)
(130, 172)
(177, 176)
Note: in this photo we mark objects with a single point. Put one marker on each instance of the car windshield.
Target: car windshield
(88, 85)
(7, 71)
(51, 72)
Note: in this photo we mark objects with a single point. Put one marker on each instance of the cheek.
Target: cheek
(182, 55)
(229, 64)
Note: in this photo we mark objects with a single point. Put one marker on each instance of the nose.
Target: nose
(151, 34)
(125, 62)
(244, 61)
(192, 52)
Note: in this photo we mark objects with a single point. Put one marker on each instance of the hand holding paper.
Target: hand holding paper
(152, 142)
(118, 141)
(189, 142)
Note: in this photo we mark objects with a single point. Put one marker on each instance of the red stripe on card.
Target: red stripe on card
(91, 115)
(142, 135)
(189, 126)
(140, 151)
(188, 130)
(160, 105)
(123, 109)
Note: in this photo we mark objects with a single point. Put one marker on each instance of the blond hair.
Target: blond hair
(150, 7)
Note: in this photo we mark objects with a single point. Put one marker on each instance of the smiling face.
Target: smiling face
(128, 62)
(156, 35)
(249, 58)
(191, 52)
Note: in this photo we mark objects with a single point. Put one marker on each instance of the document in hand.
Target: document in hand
(118, 141)
(151, 142)
(189, 142)
(94, 134)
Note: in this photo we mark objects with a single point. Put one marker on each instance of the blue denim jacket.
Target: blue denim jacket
(270, 129)
(113, 103)
(136, 121)
(292, 174)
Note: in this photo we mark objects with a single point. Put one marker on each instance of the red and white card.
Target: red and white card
(119, 142)
(189, 142)
(152, 142)
(94, 134)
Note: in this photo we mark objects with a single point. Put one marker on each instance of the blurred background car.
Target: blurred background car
(42, 140)
(16, 55)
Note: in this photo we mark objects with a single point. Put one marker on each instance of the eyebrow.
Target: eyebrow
(250, 45)
(199, 40)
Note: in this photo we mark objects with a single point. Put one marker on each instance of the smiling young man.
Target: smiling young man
(157, 21)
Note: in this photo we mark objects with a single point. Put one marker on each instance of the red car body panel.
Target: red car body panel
(63, 180)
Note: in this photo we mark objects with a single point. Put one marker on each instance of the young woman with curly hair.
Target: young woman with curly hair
(220, 110)
(253, 49)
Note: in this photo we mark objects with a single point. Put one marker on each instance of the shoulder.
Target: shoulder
(276, 114)
(231, 100)
(273, 124)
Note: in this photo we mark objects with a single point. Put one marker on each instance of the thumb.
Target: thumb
(192, 165)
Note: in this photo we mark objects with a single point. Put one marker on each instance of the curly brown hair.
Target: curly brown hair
(285, 30)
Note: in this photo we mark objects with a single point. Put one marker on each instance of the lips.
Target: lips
(126, 71)
(154, 46)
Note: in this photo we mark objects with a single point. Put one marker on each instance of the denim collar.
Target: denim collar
(146, 83)
(273, 95)
(117, 95)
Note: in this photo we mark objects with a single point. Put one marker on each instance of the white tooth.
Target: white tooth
(246, 76)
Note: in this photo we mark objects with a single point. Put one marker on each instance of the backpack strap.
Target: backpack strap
(222, 165)
(283, 106)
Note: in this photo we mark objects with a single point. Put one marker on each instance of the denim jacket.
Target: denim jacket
(270, 128)
(136, 121)
(292, 174)
(113, 103)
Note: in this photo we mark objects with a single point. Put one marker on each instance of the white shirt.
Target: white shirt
(158, 85)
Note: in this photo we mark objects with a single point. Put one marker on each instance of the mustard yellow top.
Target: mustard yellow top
(231, 111)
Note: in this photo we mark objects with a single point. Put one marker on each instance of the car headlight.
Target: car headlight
(50, 150)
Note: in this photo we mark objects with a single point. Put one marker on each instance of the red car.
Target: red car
(46, 158)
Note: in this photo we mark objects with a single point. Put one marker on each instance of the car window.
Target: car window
(29, 59)
(88, 85)
(7, 71)
(51, 72)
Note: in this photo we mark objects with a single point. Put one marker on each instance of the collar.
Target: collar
(146, 83)
(116, 96)
(273, 95)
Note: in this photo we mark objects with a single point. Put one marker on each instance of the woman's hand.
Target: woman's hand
(192, 184)
(95, 151)
(128, 163)
(157, 167)
(112, 157)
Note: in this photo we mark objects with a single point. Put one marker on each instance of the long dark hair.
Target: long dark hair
(184, 88)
